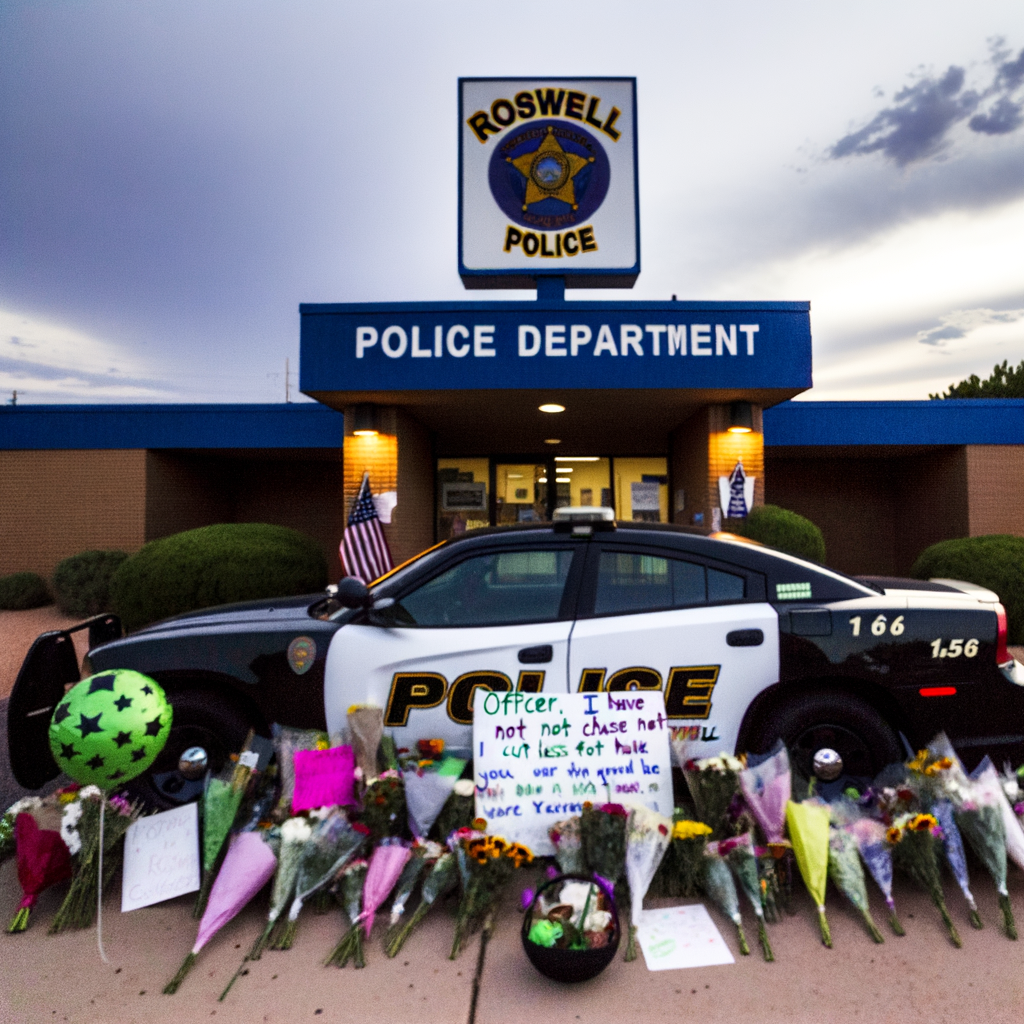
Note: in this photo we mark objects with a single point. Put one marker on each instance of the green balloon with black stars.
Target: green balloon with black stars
(110, 727)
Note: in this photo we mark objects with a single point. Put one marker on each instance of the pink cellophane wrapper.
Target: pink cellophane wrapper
(766, 789)
(248, 865)
(385, 866)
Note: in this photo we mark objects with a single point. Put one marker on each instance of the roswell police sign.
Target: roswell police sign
(548, 182)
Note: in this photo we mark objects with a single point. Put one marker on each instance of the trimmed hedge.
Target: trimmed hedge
(215, 565)
(22, 590)
(787, 531)
(81, 583)
(995, 561)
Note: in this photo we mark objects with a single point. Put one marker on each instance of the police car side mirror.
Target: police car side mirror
(352, 593)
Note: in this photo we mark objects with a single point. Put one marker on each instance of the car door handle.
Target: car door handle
(539, 655)
(745, 638)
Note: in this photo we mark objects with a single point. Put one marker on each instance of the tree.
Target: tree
(1005, 382)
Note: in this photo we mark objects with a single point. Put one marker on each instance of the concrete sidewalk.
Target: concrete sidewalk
(919, 978)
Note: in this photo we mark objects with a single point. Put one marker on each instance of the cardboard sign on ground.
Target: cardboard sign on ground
(539, 757)
(161, 858)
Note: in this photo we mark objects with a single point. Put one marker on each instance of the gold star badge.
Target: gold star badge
(549, 171)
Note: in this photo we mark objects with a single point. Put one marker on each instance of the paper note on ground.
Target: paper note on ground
(675, 937)
(538, 757)
(161, 858)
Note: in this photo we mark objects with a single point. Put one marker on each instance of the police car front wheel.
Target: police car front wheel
(838, 721)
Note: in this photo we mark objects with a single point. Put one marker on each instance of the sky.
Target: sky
(176, 177)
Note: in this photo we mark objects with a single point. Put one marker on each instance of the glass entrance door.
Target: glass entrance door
(521, 492)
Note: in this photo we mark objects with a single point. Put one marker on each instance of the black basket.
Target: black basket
(571, 965)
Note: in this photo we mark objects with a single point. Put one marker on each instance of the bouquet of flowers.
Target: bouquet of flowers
(603, 831)
(351, 946)
(844, 868)
(876, 853)
(647, 837)
(485, 865)
(332, 844)
(366, 728)
(427, 788)
(766, 784)
(567, 839)
(287, 741)
(221, 799)
(458, 811)
(80, 829)
(718, 884)
(442, 878)
(738, 853)
(808, 830)
(43, 860)
(8, 841)
(913, 838)
(953, 845)
(986, 778)
(248, 865)
(421, 857)
(384, 810)
(682, 867)
(713, 783)
(295, 833)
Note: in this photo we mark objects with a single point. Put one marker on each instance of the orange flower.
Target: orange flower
(893, 834)
(922, 823)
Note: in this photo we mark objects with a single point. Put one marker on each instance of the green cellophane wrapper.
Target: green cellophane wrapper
(847, 874)
(808, 832)
(983, 827)
(220, 808)
(441, 879)
(603, 831)
(717, 882)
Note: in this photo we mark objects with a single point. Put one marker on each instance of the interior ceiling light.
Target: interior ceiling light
(551, 407)
(577, 458)
(741, 418)
(553, 440)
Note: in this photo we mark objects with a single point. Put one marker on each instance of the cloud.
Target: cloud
(919, 122)
(961, 322)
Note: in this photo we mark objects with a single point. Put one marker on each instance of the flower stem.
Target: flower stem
(826, 933)
(399, 940)
(631, 945)
(873, 931)
(766, 946)
(954, 936)
(20, 921)
(350, 948)
(744, 948)
(287, 937)
(894, 923)
(1008, 922)
(261, 943)
(204, 893)
(976, 921)
(186, 966)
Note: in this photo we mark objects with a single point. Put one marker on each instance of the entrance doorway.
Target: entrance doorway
(474, 492)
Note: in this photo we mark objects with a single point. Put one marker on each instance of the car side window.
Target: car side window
(496, 589)
(629, 582)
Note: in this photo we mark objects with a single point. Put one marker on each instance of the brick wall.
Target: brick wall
(995, 485)
(57, 503)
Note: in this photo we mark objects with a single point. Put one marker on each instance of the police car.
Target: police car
(745, 643)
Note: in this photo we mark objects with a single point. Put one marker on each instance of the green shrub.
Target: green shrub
(995, 561)
(215, 565)
(23, 590)
(784, 530)
(81, 583)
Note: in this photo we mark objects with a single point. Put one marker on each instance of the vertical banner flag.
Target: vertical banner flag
(364, 548)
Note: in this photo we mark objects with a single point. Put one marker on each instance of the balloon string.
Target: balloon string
(99, 886)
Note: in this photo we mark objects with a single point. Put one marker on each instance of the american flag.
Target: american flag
(364, 548)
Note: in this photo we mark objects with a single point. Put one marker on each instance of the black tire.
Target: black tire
(808, 721)
(202, 718)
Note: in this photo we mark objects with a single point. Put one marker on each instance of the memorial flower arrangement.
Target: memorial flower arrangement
(43, 860)
(572, 914)
(739, 855)
(808, 831)
(294, 833)
(603, 835)
(647, 837)
(713, 783)
(567, 839)
(875, 851)
(351, 882)
(682, 867)
(846, 872)
(422, 856)
(485, 864)
(442, 879)
(718, 884)
(8, 842)
(220, 803)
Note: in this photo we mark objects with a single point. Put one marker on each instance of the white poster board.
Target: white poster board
(161, 858)
(676, 937)
(538, 757)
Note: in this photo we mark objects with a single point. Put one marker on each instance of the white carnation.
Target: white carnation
(295, 830)
(464, 787)
(89, 793)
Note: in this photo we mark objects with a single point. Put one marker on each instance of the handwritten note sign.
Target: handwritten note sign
(539, 757)
(677, 937)
(323, 778)
(161, 858)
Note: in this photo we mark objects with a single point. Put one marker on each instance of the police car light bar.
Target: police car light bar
(583, 519)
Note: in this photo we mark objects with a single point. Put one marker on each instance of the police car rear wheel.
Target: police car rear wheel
(837, 720)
